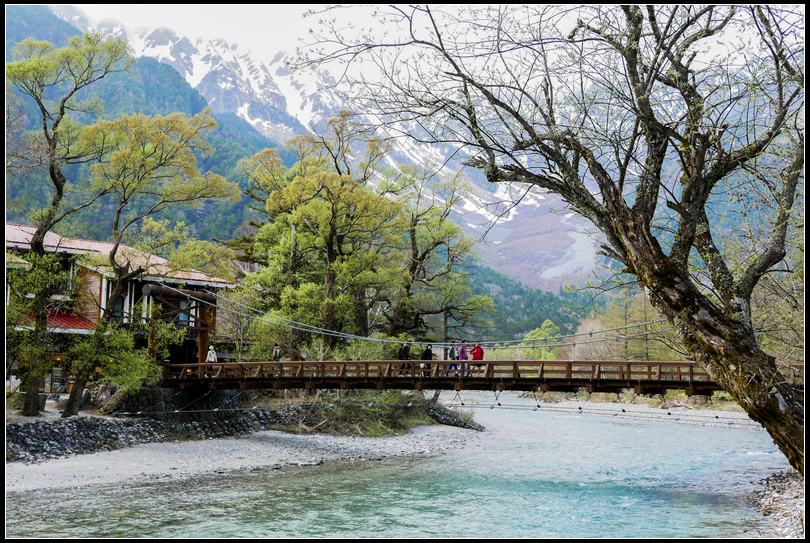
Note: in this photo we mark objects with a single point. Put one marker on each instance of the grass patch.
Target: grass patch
(364, 413)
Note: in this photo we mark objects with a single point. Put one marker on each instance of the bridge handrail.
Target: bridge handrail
(628, 371)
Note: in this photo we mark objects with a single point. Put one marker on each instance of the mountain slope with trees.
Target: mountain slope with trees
(151, 88)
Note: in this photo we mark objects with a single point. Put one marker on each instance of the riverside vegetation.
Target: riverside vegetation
(357, 412)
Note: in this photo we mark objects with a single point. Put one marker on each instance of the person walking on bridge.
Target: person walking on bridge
(427, 354)
(477, 354)
(405, 354)
(462, 356)
(453, 355)
(277, 359)
(212, 357)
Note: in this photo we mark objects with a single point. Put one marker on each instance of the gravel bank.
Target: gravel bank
(48, 452)
(260, 450)
(781, 500)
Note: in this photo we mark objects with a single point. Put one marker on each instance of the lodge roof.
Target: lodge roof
(19, 236)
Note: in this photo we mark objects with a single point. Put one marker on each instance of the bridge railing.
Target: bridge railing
(569, 370)
(605, 371)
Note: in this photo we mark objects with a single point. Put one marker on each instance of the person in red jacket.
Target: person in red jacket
(477, 354)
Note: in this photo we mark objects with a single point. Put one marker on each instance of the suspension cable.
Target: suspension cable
(535, 343)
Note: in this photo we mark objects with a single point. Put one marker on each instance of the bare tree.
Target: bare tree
(641, 118)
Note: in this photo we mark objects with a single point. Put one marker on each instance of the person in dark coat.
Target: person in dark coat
(453, 355)
(405, 354)
(427, 354)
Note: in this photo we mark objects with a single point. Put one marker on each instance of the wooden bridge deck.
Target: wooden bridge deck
(540, 376)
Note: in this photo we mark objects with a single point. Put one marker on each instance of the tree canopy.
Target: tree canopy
(138, 166)
(351, 247)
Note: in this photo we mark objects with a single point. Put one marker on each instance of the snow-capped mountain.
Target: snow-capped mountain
(527, 241)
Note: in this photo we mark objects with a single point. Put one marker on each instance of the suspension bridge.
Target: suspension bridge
(642, 377)
(534, 376)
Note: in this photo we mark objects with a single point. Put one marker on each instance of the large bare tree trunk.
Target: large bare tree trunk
(730, 353)
(725, 346)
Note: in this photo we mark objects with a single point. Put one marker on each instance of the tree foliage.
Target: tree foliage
(54, 79)
(148, 87)
(535, 349)
(26, 343)
(139, 166)
(144, 166)
(353, 248)
(433, 260)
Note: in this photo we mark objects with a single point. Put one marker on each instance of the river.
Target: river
(531, 474)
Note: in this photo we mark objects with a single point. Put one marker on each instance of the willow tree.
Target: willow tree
(432, 262)
(327, 200)
(641, 118)
(145, 166)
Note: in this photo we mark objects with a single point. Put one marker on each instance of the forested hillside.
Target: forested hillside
(151, 88)
(518, 310)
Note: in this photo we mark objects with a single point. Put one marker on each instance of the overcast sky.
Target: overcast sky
(253, 26)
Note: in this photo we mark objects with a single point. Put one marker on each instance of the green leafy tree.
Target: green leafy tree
(37, 280)
(145, 166)
(54, 79)
(430, 275)
(326, 199)
(538, 350)
(342, 216)
(111, 351)
(539, 344)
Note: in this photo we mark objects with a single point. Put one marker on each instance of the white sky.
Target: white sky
(257, 27)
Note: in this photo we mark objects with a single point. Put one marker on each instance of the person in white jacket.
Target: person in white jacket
(212, 358)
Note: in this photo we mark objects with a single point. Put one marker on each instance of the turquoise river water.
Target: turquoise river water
(531, 474)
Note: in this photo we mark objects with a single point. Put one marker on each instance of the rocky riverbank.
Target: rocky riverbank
(165, 458)
(53, 438)
(781, 500)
